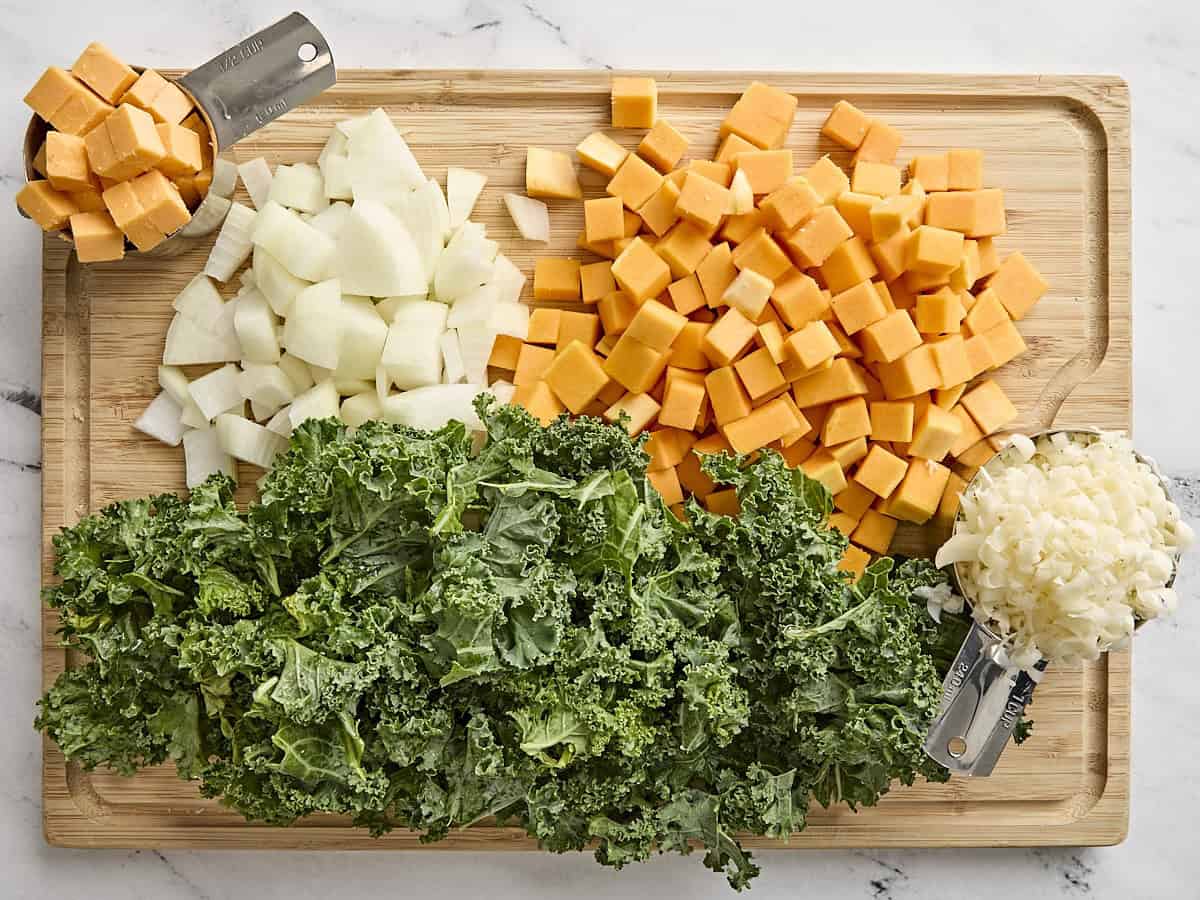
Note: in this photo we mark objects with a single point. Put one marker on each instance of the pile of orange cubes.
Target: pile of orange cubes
(847, 321)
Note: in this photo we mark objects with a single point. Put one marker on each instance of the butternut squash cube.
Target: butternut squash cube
(964, 170)
(918, 496)
(759, 374)
(933, 251)
(877, 178)
(684, 248)
(635, 182)
(636, 366)
(596, 280)
(990, 219)
(936, 432)
(891, 420)
(989, 406)
(822, 467)
(843, 522)
(715, 273)
(537, 398)
(556, 278)
(762, 115)
(634, 102)
(827, 179)
(796, 453)
(813, 242)
(947, 510)
(847, 419)
(543, 326)
(964, 277)
(549, 173)
(640, 410)
(686, 351)
(858, 307)
(640, 272)
(841, 380)
(946, 398)
(1004, 343)
(607, 249)
(600, 152)
(663, 146)
(880, 144)
(854, 500)
(811, 345)
(798, 299)
(912, 374)
(849, 264)
(748, 294)
(667, 448)
(728, 337)
(976, 455)
(875, 531)
(989, 259)
(881, 471)
(729, 399)
(723, 503)
(682, 404)
(950, 357)
(917, 282)
(692, 475)
(939, 313)
(789, 206)
(576, 376)
(659, 211)
(737, 228)
(768, 423)
(1017, 285)
(848, 453)
(686, 294)
(854, 562)
(721, 173)
(846, 125)
(766, 170)
(702, 202)
(656, 325)
(932, 170)
(532, 363)
(892, 215)
(891, 337)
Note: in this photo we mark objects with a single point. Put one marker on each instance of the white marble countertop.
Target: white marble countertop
(1153, 45)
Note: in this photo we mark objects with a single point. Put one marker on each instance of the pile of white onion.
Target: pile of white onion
(369, 295)
(1063, 545)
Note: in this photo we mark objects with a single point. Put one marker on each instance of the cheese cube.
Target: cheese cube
(684, 248)
(634, 102)
(936, 432)
(932, 170)
(813, 242)
(549, 173)
(911, 374)
(811, 345)
(505, 351)
(858, 307)
(687, 350)
(576, 376)
(595, 281)
(702, 201)
(539, 401)
(731, 145)
(789, 206)
(947, 510)
(723, 503)
(600, 152)
(847, 419)
(64, 102)
(759, 374)
(667, 448)
(856, 210)
(849, 264)
(616, 311)
(656, 325)
(663, 146)
(635, 182)
(532, 363)
(635, 365)
(51, 91)
(182, 147)
(715, 273)
(543, 326)
(989, 406)
(737, 228)
(953, 210)
(682, 403)
(49, 208)
(81, 113)
(846, 125)
(659, 211)
(640, 272)
(1004, 343)
(822, 467)
(827, 179)
(950, 357)
(933, 251)
(124, 203)
(748, 294)
(103, 72)
(67, 163)
(88, 200)
(759, 253)
(890, 255)
(555, 278)
(768, 423)
(964, 170)
(136, 144)
(891, 420)
(919, 494)
(798, 299)
(879, 179)
(727, 338)
(1017, 285)
(946, 398)
(577, 326)
(939, 313)
(96, 237)
(686, 294)
(891, 337)
(841, 380)
(989, 213)
(875, 531)
(880, 144)
(162, 99)
(766, 170)
(762, 115)
(164, 207)
(728, 398)
(640, 410)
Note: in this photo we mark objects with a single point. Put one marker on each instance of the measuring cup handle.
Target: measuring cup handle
(982, 700)
(261, 78)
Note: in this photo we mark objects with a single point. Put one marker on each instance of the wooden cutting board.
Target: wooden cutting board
(1059, 146)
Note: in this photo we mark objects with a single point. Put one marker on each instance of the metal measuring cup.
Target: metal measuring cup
(236, 92)
(983, 696)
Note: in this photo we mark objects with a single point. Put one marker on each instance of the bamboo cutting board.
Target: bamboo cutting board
(1059, 146)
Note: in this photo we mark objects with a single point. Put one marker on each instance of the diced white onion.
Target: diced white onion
(233, 244)
(463, 188)
(256, 176)
(217, 391)
(452, 361)
(318, 402)
(203, 456)
(299, 187)
(224, 178)
(161, 420)
(531, 217)
(248, 441)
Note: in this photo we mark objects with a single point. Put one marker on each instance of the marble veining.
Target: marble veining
(1154, 45)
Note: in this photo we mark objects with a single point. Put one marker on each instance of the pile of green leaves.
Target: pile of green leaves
(423, 635)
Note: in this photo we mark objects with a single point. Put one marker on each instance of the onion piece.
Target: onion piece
(360, 408)
(508, 280)
(463, 188)
(281, 422)
(313, 330)
(531, 217)
(217, 391)
(256, 176)
(224, 178)
(297, 372)
(452, 361)
(318, 402)
(382, 168)
(433, 406)
(300, 187)
(203, 457)
(208, 216)
(278, 285)
(161, 420)
(233, 244)
(301, 249)
(412, 353)
(363, 335)
(255, 326)
(331, 219)
(200, 301)
(189, 344)
(247, 441)
(376, 255)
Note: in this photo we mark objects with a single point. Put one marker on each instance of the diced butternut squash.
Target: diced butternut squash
(728, 397)
(989, 406)
(759, 374)
(639, 410)
(918, 496)
(822, 467)
(789, 206)
(728, 337)
(596, 280)
(539, 400)
(875, 531)
(935, 433)
(858, 307)
(880, 144)
(762, 115)
(749, 294)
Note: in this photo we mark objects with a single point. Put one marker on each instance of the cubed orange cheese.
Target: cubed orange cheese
(989, 406)
(891, 420)
(162, 99)
(505, 351)
(918, 496)
(990, 219)
(936, 432)
(813, 242)
(877, 178)
(616, 311)
(702, 201)
(89, 200)
(875, 531)
(715, 273)
(841, 380)
(595, 281)
(856, 208)
(577, 326)
(684, 248)
(640, 271)
(134, 141)
(686, 294)
(64, 102)
(822, 467)
(603, 219)
(891, 337)
(663, 146)
(639, 409)
(532, 363)
(749, 294)
(635, 182)
(656, 325)
(762, 115)
(858, 307)
(939, 313)
(100, 69)
(918, 282)
(1017, 285)
(933, 251)
(550, 173)
(67, 163)
(911, 374)
(182, 150)
(634, 102)
(827, 179)
(880, 144)
(682, 403)
(798, 299)
(964, 170)
(125, 206)
(728, 337)
(849, 264)
(729, 399)
(890, 255)
(537, 398)
(789, 206)
(846, 125)
(659, 211)
(953, 210)
(556, 278)
(766, 170)
(51, 91)
(932, 170)
(635, 365)
(950, 357)
(164, 208)
(760, 253)
(97, 238)
(947, 509)
(576, 376)
(759, 374)
(731, 145)
(600, 152)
